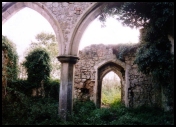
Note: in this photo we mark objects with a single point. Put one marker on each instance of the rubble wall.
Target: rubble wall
(137, 88)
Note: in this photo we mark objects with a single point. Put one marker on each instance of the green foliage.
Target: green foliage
(52, 89)
(85, 113)
(32, 111)
(154, 55)
(111, 91)
(159, 62)
(41, 111)
(12, 58)
(19, 108)
(83, 106)
(48, 41)
(80, 108)
(141, 14)
(45, 37)
(23, 110)
(125, 49)
(21, 85)
(38, 66)
(14, 107)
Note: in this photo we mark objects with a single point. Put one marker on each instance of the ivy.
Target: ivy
(38, 66)
(156, 21)
(121, 50)
(47, 41)
(11, 66)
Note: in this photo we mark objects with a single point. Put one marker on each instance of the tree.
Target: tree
(38, 68)
(153, 57)
(48, 41)
(142, 14)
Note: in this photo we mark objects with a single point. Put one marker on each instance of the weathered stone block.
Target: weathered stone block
(79, 85)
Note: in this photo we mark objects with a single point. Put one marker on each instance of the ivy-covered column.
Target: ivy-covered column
(66, 84)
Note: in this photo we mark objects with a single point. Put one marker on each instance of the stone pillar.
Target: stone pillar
(66, 85)
(127, 84)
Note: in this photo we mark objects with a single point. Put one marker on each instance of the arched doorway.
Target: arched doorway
(111, 90)
(102, 71)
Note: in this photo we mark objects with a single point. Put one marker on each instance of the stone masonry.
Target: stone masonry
(137, 87)
(69, 21)
(85, 73)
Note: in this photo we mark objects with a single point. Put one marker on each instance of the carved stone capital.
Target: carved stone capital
(68, 59)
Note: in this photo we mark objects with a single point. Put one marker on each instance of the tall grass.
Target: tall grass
(43, 111)
(21, 109)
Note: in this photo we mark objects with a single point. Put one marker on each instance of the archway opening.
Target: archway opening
(108, 69)
(22, 29)
(111, 90)
(112, 33)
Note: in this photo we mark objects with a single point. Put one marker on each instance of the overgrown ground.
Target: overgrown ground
(19, 109)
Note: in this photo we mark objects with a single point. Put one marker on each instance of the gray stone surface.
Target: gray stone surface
(69, 20)
(139, 91)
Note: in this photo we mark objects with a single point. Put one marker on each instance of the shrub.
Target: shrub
(10, 68)
(52, 89)
(38, 69)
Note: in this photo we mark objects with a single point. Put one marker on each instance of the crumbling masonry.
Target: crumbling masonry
(95, 62)
(69, 21)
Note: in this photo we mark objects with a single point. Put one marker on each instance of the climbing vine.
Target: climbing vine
(156, 21)
(10, 66)
(121, 50)
(38, 66)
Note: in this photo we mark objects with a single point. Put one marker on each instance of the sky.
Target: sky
(113, 33)
(22, 28)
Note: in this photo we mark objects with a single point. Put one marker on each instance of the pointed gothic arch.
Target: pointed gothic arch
(11, 8)
(111, 82)
(102, 69)
(87, 17)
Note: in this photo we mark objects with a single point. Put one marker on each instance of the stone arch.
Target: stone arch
(80, 27)
(87, 17)
(102, 69)
(10, 8)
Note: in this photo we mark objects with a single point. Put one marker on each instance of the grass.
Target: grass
(43, 111)
(21, 109)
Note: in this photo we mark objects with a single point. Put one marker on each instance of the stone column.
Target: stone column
(127, 84)
(66, 85)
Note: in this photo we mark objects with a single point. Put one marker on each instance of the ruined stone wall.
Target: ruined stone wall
(67, 14)
(85, 71)
(139, 91)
